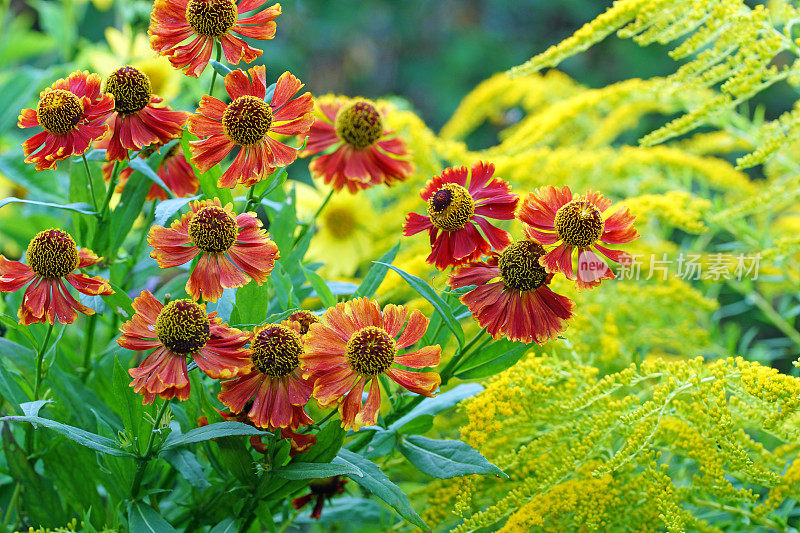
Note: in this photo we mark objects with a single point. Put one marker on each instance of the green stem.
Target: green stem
(12, 504)
(250, 199)
(318, 424)
(86, 369)
(148, 452)
(91, 183)
(449, 369)
(754, 518)
(286, 525)
(29, 436)
(112, 184)
(214, 76)
(777, 320)
(316, 215)
(39, 360)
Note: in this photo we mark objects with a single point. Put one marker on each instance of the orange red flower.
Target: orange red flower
(174, 170)
(185, 30)
(554, 216)
(512, 298)
(456, 211)
(251, 124)
(277, 390)
(138, 118)
(177, 331)
(233, 249)
(72, 112)
(365, 153)
(52, 257)
(354, 344)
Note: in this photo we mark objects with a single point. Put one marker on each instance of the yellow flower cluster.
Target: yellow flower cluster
(679, 209)
(658, 444)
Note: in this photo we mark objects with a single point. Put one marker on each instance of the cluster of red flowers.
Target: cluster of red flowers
(332, 358)
(512, 297)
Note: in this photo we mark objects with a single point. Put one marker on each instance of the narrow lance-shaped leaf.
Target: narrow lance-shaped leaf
(444, 459)
(82, 437)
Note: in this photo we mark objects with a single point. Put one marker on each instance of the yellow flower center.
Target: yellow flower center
(359, 124)
(579, 223)
(131, 89)
(305, 319)
(451, 207)
(246, 120)
(520, 268)
(340, 222)
(52, 254)
(211, 18)
(183, 326)
(213, 229)
(276, 350)
(370, 351)
(59, 111)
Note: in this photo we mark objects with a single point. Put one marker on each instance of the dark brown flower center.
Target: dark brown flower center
(52, 254)
(213, 229)
(247, 119)
(211, 18)
(305, 319)
(370, 351)
(579, 223)
(520, 268)
(276, 350)
(131, 89)
(451, 207)
(59, 111)
(183, 326)
(359, 124)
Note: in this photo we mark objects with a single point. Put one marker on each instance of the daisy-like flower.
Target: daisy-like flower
(304, 319)
(137, 121)
(512, 298)
(185, 30)
(174, 170)
(72, 112)
(276, 388)
(456, 211)
(233, 249)
(179, 330)
(554, 216)
(52, 257)
(355, 343)
(364, 152)
(250, 124)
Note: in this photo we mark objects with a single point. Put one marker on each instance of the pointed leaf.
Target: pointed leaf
(444, 459)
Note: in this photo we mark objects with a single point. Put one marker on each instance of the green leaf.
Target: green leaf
(128, 209)
(296, 471)
(376, 482)
(39, 498)
(82, 437)
(19, 328)
(128, 404)
(78, 207)
(322, 290)
(186, 464)
(427, 292)
(252, 301)
(140, 165)
(445, 459)
(376, 274)
(417, 426)
(119, 303)
(491, 360)
(144, 519)
(221, 69)
(283, 287)
(10, 390)
(212, 431)
(208, 180)
(167, 208)
(437, 404)
(229, 525)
